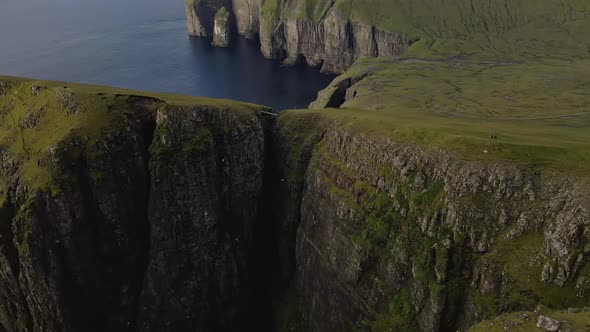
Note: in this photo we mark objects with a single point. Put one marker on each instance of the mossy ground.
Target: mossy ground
(523, 261)
(527, 321)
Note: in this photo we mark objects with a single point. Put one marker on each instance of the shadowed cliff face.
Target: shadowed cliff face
(78, 251)
(147, 224)
(206, 180)
(206, 215)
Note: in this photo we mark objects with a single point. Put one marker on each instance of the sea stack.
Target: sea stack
(221, 29)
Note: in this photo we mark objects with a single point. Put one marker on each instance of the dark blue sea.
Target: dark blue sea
(142, 44)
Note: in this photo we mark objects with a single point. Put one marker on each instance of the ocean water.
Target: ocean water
(142, 44)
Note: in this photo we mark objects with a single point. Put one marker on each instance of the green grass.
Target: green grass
(313, 10)
(519, 70)
(70, 118)
(539, 111)
(496, 29)
(540, 90)
(173, 99)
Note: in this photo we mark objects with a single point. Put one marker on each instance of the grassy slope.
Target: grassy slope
(30, 126)
(539, 112)
(517, 69)
(491, 29)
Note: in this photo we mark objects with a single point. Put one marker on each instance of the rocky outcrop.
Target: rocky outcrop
(247, 14)
(548, 324)
(332, 42)
(221, 29)
(200, 15)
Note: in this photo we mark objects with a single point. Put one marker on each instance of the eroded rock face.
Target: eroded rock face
(200, 15)
(247, 14)
(332, 43)
(73, 259)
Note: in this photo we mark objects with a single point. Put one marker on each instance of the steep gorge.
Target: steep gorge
(204, 215)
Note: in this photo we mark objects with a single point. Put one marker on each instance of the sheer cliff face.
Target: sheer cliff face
(400, 237)
(330, 41)
(206, 178)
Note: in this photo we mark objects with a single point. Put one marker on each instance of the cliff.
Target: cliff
(541, 319)
(124, 212)
(127, 211)
(325, 38)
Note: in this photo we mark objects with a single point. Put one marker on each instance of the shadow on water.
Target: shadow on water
(246, 75)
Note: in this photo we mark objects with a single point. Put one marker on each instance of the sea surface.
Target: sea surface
(142, 44)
